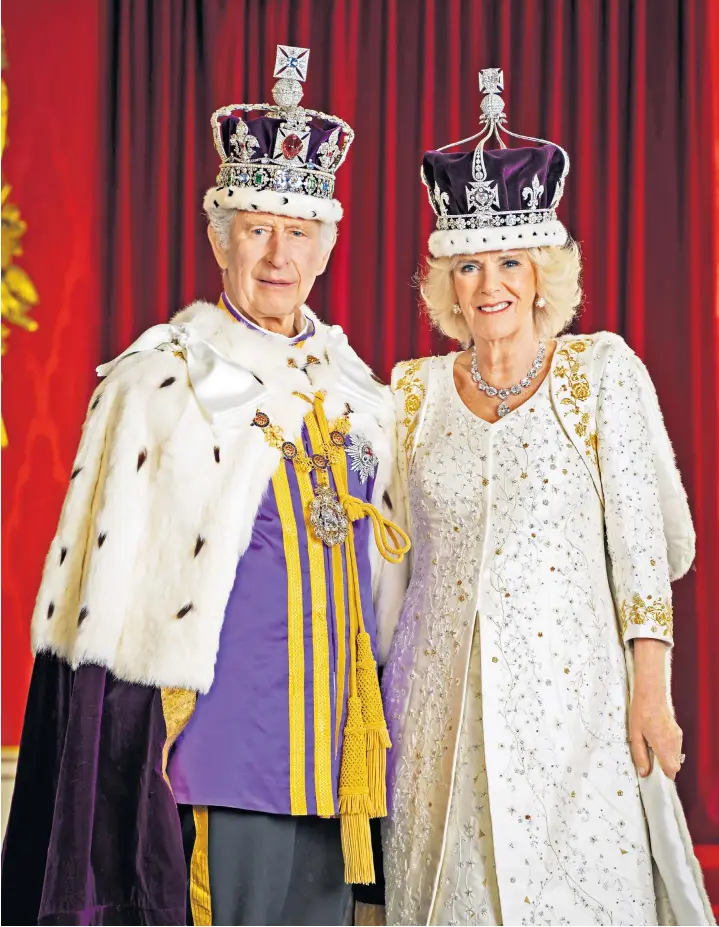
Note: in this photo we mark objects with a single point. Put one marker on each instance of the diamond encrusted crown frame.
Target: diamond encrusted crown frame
(484, 210)
(289, 168)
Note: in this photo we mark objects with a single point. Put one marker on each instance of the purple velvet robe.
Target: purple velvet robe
(94, 834)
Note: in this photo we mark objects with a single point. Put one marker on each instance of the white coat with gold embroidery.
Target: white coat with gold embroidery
(509, 524)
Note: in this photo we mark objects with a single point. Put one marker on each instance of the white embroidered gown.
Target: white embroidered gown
(509, 637)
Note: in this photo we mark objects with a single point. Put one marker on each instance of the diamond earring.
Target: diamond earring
(540, 302)
(456, 310)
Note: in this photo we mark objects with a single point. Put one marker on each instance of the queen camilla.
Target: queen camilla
(548, 519)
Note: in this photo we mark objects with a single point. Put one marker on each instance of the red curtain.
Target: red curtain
(628, 87)
(51, 163)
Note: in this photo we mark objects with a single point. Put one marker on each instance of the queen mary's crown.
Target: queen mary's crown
(495, 199)
(280, 158)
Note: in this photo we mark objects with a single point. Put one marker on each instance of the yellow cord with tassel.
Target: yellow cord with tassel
(363, 765)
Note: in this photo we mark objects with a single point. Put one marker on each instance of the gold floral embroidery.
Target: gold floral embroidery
(657, 613)
(414, 393)
(577, 386)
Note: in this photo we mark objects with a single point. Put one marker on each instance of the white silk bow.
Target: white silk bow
(224, 389)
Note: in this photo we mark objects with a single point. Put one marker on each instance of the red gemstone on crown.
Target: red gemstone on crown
(291, 146)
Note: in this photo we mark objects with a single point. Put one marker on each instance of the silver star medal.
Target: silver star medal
(364, 460)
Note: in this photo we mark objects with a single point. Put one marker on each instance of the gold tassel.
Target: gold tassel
(354, 799)
(378, 741)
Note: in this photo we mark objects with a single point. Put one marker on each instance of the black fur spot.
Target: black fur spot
(217, 454)
(451, 241)
(168, 382)
(387, 501)
(141, 458)
(101, 538)
(63, 554)
(217, 205)
(50, 610)
(314, 214)
(199, 545)
(75, 472)
(230, 192)
(253, 205)
(186, 609)
(84, 612)
(95, 403)
(285, 201)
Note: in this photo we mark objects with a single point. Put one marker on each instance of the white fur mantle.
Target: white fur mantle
(165, 491)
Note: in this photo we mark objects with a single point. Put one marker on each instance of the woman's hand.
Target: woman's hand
(652, 724)
(651, 719)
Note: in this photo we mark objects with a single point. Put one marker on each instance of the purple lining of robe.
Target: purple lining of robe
(93, 835)
(235, 749)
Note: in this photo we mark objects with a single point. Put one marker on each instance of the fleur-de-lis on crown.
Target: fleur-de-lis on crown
(533, 193)
(441, 200)
(329, 151)
(242, 143)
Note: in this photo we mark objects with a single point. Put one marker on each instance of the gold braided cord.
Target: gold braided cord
(200, 900)
(337, 589)
(320, 649)
(295, 641)
(362, 788)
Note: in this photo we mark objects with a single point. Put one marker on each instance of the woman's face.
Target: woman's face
(496, 292)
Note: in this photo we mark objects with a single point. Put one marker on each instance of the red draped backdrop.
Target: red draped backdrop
(110, 151)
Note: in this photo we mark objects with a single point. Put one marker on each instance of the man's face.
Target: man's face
(271, 262)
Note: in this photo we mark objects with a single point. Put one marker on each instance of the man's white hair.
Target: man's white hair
(221, 219)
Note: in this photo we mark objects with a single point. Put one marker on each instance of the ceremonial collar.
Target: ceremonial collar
(308, 329)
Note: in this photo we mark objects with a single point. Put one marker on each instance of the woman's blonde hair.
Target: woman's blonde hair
(558, 270)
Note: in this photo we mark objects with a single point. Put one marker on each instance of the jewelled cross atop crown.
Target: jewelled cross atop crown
(280, 158)
(493, 200)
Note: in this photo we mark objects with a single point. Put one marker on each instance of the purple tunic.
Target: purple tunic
(235, 750)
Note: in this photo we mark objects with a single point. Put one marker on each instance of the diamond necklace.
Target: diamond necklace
(503, 409)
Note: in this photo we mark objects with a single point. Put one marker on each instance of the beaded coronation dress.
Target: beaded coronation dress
(515, 799)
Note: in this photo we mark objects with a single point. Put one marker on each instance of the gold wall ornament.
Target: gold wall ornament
(19, 295)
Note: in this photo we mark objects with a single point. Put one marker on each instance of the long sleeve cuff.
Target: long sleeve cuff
(646, 617)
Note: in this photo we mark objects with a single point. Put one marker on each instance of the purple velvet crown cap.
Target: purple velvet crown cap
(510, 170)
(280, 158)
(499, 198)
(265, 129)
